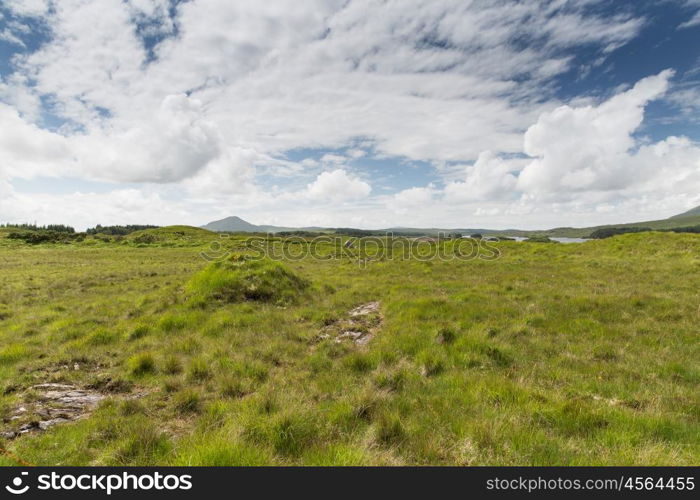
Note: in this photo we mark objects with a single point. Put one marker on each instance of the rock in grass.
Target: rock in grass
(239, 279)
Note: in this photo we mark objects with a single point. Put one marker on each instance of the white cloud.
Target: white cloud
(9, 36)
(243, 83)
(31, 8)
(412, 200)
(338, 186)
(587, 148)
(686, 97)
(421, 80)
(694, 19)
(333, 159)
(490, 178)
(26, 150)
(585, 160)
(174, 144)
(82, 210)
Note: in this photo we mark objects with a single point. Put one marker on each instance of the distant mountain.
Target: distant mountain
(689, 213)
(234, 225)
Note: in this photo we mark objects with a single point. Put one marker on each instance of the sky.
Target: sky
(349, 113)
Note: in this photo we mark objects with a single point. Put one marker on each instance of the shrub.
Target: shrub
(540, 239)
(38, 237)
(239, 279)
(145, 239)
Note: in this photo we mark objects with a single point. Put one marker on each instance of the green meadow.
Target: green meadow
(551, 354)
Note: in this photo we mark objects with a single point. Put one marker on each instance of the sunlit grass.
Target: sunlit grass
(554, 354)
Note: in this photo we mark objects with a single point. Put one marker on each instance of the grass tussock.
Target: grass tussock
(239, 279)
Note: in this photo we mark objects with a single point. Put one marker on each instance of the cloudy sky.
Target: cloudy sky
(364, 113)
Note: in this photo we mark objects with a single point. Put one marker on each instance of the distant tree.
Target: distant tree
(358, 233)
(58, 228)
(118, 230)
(689, 229)
(310, 234)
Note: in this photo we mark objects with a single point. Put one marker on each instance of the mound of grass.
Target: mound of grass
(240, 279)
(171, 236)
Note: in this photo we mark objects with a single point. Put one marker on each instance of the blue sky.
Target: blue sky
(362, 113)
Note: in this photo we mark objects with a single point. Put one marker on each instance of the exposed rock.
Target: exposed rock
(349, 335)
(365, 309)
(359, 327)
(364, 340)
(54, 404)
(45, 424)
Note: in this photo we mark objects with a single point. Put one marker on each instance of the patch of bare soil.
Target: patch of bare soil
(359, 326)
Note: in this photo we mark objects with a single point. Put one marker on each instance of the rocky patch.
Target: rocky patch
(359, 326)
(51, 404)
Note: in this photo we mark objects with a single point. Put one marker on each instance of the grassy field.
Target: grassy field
(553, 354)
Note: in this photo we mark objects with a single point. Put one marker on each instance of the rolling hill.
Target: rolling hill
(689, 213)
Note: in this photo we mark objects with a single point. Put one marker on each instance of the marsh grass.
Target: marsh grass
(553, 355)
(239, 278)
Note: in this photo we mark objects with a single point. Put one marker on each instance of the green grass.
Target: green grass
(580, 354)
(238, 279)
